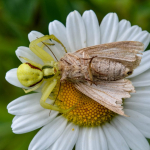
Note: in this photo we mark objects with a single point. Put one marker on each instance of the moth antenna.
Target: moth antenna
(90, 81)
(89, 70)
(49, 49)
(65, 61)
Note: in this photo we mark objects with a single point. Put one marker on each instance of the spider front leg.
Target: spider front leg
(48, 87)
(32, 62)
(39, 51)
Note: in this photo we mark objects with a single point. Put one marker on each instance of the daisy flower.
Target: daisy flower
(89, 126)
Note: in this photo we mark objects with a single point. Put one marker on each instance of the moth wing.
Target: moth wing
(108, 93)
(124, 52)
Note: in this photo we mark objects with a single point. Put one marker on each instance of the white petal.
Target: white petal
(142, 79)
(102, 140)
(92, 28)
(145, 112)
(91, 138)
(76, 33)
(140, 101)
(139, 97)
(34, 35)
(130, 33)
(126, 32)
(114, 138)
(67, 139)
(140, 121)
(109, 28)
(142, 36)
(145, 57)
(130, 133)
(136, 106)
(11, 77)
(57, 50)
(30, 122)
(123, 26)
(144, 65)
(26, 104)
(81, 143)
(16, 117)
(59, 30)
(142, 105)
(135, 31)
(26, 52)
(48, 134)
(143, 89)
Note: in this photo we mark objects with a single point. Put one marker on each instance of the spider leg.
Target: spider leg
(32, 62)
(48, 87)
(39, 50)
(33, 88)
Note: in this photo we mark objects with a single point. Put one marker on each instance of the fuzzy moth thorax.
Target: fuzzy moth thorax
(29, 75)
(69, 72)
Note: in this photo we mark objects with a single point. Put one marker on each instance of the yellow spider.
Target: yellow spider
(32, 74)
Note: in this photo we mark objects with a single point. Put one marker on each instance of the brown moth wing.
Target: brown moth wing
(124, 52)
(108, 93)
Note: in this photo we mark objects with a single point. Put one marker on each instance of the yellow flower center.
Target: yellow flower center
(86, 112)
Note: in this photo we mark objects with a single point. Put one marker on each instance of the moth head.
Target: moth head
(128, 72)
(29, 74)
(49, 71)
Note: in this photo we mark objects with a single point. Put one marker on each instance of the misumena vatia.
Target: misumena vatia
(32, 74)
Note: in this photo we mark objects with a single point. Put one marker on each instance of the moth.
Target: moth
(97, 71)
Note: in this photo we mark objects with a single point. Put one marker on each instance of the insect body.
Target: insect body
(106, 65)
(109, 62)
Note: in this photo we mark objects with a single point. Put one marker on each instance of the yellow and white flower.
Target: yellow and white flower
(89, 126)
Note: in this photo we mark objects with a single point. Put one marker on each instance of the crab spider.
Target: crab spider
(32, 74)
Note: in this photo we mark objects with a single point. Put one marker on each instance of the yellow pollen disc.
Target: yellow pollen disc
(86, 112)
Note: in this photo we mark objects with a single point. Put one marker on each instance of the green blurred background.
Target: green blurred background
(19, 17)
